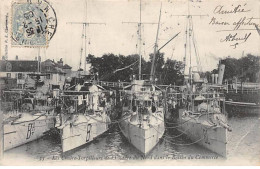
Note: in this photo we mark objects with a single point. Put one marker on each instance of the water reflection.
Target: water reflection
(243, 141)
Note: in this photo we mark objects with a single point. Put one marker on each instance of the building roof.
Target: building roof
(49, 66)
(66, 67)
(18, 65)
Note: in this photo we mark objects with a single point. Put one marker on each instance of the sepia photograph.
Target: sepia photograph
(130, 82)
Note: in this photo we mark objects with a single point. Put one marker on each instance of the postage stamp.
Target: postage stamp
(33, 24)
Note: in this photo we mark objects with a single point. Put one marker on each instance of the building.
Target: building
(67, 69)
(55, 75)
(23, 72)
(17, 69)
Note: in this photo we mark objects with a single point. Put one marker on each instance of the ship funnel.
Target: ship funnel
(216, 78)
(221, 73)
(212, 78)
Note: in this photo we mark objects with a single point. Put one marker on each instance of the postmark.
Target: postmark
(33, 24)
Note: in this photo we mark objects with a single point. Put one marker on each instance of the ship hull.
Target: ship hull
(143, 139)
(77, 134)
(212, 138)
(242, 109)
(19, 133)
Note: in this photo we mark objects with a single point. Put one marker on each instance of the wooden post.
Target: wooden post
(1, 135)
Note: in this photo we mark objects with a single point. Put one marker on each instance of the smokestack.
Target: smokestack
(216, 78)
(212, 78)
(221, 73)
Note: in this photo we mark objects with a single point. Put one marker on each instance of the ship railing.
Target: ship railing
(219, 100)
(244, 90)
(207, 94)
(124, 84)
(170, 87)
(113, 84)
(81, 92)
(128, 92)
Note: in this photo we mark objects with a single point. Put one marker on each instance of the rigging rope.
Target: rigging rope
(125, 67)
(195, 48)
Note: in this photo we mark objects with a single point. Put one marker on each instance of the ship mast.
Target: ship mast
(156, 50)
(140, 42)
(152, 74)
(84, 32)
(188, 42)
(140, 23)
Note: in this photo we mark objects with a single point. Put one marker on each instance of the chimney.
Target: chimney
(16, 57)
(60, 63)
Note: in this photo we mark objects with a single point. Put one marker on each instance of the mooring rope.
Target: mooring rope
(29, 120)
(112, 122)
(184, 144)
(178, 136)
(168, 135)
(179, 124)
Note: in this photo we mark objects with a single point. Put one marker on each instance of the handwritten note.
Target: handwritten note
(236, 21)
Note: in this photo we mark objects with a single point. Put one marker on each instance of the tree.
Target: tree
(245, 68)
(172, 72)
(231, 68)
(110, 67)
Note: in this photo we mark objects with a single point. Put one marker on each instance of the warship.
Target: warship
(85, 107)
(202, 116)
(27, 113)
(83, 114)
(142, 119)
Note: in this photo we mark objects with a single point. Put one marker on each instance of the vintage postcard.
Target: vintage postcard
(130, 82)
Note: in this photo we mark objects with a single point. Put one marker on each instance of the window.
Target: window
(8, 75)
(20, 86)
(148, 103)
(20, 75)
(48, 76)
(143, 89)
(48, 68)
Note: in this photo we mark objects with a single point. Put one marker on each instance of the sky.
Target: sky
(118, 38)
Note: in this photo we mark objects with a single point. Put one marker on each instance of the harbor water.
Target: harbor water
(243, 143)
